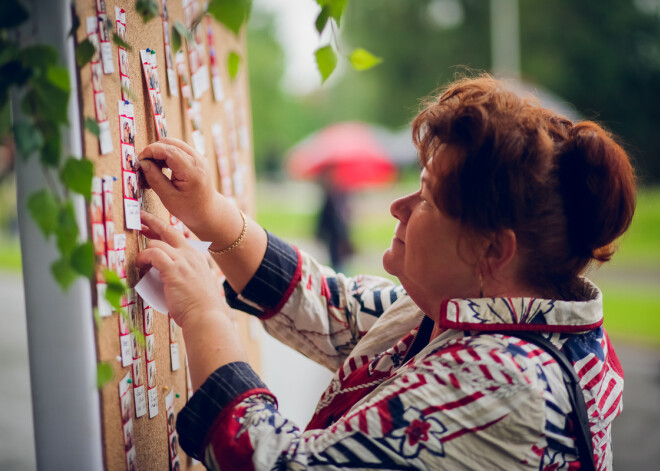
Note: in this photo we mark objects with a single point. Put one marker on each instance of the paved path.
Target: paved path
(636, 432)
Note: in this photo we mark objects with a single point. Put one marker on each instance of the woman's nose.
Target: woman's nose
(400, 208)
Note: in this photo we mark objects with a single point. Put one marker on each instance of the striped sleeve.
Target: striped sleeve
(273, 282)
(229, 384)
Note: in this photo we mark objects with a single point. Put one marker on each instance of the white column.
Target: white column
(61, 342)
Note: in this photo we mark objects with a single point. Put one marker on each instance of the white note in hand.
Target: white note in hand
(150, 287)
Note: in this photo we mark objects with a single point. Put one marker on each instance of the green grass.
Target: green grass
(640, 246)
(10, 254)
(632, 314)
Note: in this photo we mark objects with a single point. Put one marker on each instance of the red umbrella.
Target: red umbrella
(347, 153)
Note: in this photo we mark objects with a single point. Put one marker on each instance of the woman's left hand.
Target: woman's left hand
(191, 288)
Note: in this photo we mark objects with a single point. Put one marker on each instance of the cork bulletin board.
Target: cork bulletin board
(136, 96)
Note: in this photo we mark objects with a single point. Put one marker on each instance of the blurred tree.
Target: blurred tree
(602, 57)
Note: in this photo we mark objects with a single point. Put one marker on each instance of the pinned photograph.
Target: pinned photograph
(127, 127)
(128, 157)
(100, 6)
(96, 208)
(130, 186)
(121, 31)
(138, 372)
(108, 207)
(125, 87)
(171, 423)
(125, 404)
(131, 460)
(123, 325)
(94, 39)
(103, 28)
(123, 62)
(172, 330)
(110, 236)
(128, 435)
(157, 102)
(97, 74)
(161, 126)
(151, 374)
(174, 446)
(148, 320)
(135, 350)
(98, 237)
(101, 108)
(151, 347)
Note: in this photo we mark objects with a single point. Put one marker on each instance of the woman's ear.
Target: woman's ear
(500, 252)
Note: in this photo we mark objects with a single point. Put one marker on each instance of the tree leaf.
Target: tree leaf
(63, 273)
(176, 39)
(115, 289)
(28, 138)
(336, 8)
(12, 14)
(43, 208)
(52, 147)
(326, 60)
(362, 59)
(120, 42)
(52, 102)
(66, 231)
(92, 126)
(183, 31)
(233, 63)
(59, 77)
(84, 52)
(147, 9)
(322, 19)
(104, 373)
(82, 259)
(39, 57)
(231, 13)
(77, 176)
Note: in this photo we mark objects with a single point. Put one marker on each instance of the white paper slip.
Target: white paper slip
(150, 287)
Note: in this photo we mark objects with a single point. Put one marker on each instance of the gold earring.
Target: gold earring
(481, 285)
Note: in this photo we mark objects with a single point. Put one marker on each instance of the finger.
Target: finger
(154, 257)
(162, 230)
(184, 146)
(148, 233)
(171, 252)
(156, 179)
(176, 158)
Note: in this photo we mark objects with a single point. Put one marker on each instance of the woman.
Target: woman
(514, 203)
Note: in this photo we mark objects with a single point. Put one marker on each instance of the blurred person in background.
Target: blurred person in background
(333, 224)
(437, 372)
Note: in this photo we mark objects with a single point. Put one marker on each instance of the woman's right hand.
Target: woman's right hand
(189, 193)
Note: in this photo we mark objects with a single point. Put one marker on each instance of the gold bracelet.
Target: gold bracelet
(236, 242)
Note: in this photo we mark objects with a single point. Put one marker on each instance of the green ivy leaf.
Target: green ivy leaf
(66, 231)
(63, 273)
(39, 57)
(176, 38)
(52, 148)
(147, 9)
(114, 289)
(84, 52)
(51, 101)
(43, 208)
(12, 14)
(59, 77)
(183, 32)
(77, 176)
(139, 336)
(326, 60)
(120, 42)
(322, 19)
(362, 59)
(336, 8)
(28, 138)
(104, 374)
(92, 126)
(82, 259)
(231, 13)
(233, 62)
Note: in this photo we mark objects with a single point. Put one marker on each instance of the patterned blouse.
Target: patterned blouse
(467, 399)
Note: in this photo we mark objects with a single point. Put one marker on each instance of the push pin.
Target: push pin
(126, 102)
(148, 50)
(166, 389)
(177, 395)
(129, 380)
(153, 51)
(118, 357)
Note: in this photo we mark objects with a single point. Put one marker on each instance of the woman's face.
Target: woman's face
(424, 253)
